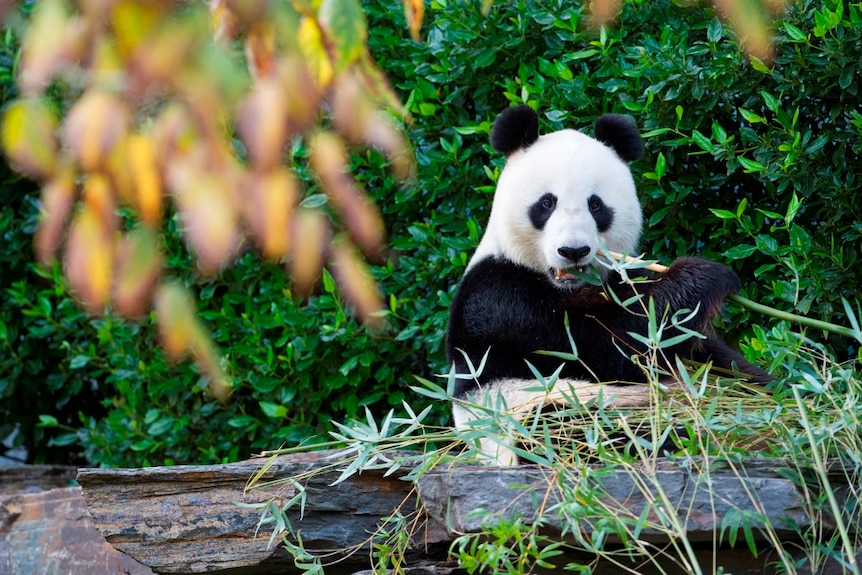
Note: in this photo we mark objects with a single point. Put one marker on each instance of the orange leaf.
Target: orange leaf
(353, 278)
(260, 50)
(58, 197)
(250, 12)
(145, 178)
(310, 234)
(93, 127)
(603, 12)
(182, 333)
(138, 266)
(159, 58)
(270, 210)
(414, 11)
(29, 139)
(262, 124)
(89, 260)
(99, 199)
(355, 117)
(209, 213)
(176, 319)
(223, 21)
(361, 217)
(173, 135)
(54, 39)
(301, 94)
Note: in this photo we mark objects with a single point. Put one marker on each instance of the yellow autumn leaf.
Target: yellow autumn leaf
(176, 319)
(137, 268)
(93, 126)
(99, 199)
(28, 136)
(260, 50)
(133, 21)
(355, 281)
(273, 199)
(309, 240)
(208, 210)
(262, 124)
(414, 11)
(360, 215)
(182, 334)
(145, 178)
(311, 44)
(89, 260)
(54, 40)
(58, 198)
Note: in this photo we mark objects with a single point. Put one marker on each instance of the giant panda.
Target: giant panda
(559, 197)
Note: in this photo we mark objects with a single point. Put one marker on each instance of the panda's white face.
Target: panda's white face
(555, 199)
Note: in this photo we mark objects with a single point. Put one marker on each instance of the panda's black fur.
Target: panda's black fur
(509, 310)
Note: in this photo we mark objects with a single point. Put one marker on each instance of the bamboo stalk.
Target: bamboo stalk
(759, 307)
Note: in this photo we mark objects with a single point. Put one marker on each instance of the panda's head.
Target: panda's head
(560, 192)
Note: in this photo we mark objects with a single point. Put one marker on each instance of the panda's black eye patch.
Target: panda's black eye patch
(601, 212)
(541, 211)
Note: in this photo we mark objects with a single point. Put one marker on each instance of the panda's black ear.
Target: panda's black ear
(620, 133)
(516, 128)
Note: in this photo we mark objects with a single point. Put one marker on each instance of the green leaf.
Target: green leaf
(581, 54)
(750, 166)
(739, 252)
(274, 410)
(79, 361)
(767, 244)
(751, 117)
(846, 77)
(660, 165)
(64, 439)
(792, 208)
(758, 65)
(723, 214)
(160, 426)
(48, 421)
(344, 23)
(702, 141)
(770, 100)
(795, 33)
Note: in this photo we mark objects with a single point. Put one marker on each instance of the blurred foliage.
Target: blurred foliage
(152, 109)
(749, 163)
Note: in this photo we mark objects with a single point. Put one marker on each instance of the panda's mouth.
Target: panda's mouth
(563, 275)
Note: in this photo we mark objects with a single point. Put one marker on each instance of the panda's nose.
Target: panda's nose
(574, 254)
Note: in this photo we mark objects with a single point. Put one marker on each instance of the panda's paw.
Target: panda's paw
(715, 281)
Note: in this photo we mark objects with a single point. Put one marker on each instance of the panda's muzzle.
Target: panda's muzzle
(579, 258)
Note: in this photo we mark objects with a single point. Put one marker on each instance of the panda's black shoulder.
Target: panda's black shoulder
(498, 275)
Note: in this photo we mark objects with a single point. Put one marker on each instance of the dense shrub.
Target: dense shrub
(746, 164)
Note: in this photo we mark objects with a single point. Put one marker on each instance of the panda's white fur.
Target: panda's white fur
(573, 167)
(558, 197)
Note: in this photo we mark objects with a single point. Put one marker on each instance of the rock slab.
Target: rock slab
(51, 533)
(185, 519)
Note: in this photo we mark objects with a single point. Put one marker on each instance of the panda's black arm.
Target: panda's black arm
(688, 284)
(693, 284)
(508, 312)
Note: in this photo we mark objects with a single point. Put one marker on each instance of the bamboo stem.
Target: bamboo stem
(759, 307)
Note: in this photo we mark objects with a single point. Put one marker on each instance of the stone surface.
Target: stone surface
(34, 478)
(51, 533)
(453, 496)
(185, 519)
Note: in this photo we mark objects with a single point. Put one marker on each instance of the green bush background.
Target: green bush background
(753, 166)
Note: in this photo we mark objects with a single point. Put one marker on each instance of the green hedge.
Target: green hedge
(752, 166)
